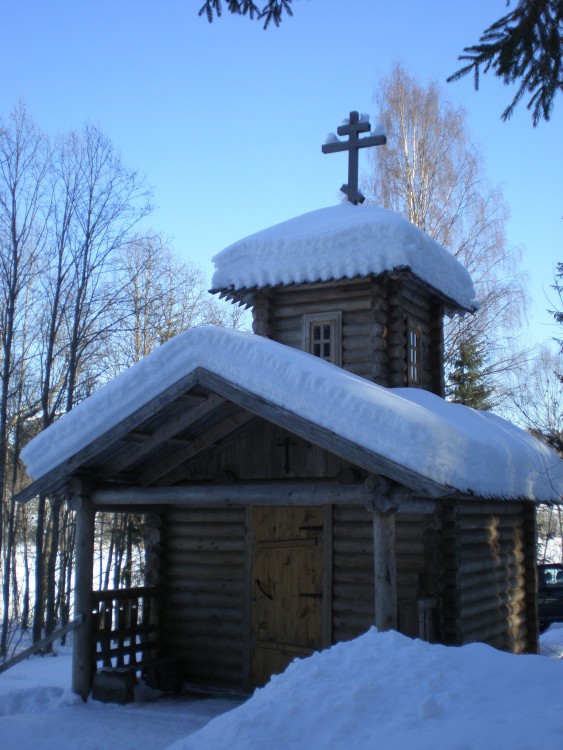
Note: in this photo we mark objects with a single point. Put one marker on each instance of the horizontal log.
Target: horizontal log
(294, 339)
(360, 577)
(482, 589)
(476, 535)
(289, 310)
(203, 531)
(200, 643)
(333, 290)
(395, 339)
(209, 544)
(357, 357)
(504, 605)
(187, 619)
(187, 585)
(229, 599)
(397, 380)
(502, 539)
(208, 628)
(498, 561)
(353, 531)
(360, 342)
(493, 632)
(397, 352)
(214, 674)
(362, 369)
(271, 493)
(208, 666)
(188, 515)
(346, 563)
(356, 513)
(505, 529)
(341, 607)
(353, 619)
(485, 509)
(241, 494)
(378, 359)
(350, 592)
(418, 306)
(202, 565)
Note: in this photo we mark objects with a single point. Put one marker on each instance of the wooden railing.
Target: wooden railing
(125, 626)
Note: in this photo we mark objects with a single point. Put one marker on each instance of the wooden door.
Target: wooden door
(287, 595)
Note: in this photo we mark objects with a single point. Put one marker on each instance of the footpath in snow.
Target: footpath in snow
(381, 691)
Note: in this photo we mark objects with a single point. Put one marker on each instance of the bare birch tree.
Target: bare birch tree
(96, 204)
(432, 173)
(24, 160)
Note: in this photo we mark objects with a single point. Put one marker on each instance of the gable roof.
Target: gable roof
(340, 242)
(433, 446)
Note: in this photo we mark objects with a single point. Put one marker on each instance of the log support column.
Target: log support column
(383, 498)
(82, 648)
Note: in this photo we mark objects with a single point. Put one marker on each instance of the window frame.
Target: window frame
(332, 319)
(414, 367)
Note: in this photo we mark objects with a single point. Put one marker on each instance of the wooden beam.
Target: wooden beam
(173, 426)
(384, 499)
(83, 665)
(246, 493)
(204, 441)
(385, 567)
(52, 481)
(331, 441)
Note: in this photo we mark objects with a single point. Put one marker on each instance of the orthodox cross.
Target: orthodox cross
(354, 143)
(287, 444)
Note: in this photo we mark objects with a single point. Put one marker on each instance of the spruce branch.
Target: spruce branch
(526, 47)
(272, 11)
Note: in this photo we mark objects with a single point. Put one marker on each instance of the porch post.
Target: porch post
(82, 656)
(383, 499)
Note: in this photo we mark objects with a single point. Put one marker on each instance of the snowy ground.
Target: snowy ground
(381, 690)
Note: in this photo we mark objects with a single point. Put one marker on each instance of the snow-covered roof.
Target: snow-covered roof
(449, 444)
(338, 242)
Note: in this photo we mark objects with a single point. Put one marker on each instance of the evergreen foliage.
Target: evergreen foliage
(558, 314)
(524, 46)
(468, 384)
(272, 11)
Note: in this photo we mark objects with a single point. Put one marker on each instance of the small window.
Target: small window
(322, 336)
(414, 358)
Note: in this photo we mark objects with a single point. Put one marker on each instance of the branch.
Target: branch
(525, 47)
(272, 11)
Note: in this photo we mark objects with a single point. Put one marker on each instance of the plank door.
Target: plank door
(287, 595)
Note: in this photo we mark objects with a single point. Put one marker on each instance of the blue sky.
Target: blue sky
(227, 120)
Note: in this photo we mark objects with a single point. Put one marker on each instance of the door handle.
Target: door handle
(258, 582)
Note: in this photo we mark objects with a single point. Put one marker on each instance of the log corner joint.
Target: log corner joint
(77, 495)
(383, 495)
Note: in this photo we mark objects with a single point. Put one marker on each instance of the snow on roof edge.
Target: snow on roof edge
(472, 452)
(341, 242)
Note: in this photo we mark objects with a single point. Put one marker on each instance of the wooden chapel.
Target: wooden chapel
(293, 479)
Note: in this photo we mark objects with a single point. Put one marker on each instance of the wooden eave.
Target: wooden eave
(244, 297)
(152, 446)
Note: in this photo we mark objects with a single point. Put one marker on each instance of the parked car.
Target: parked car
(550, 594)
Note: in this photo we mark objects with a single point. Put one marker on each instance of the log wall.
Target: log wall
(353, 573)
(205, 617)
(489, 575)
(375, 315)
(203, 583)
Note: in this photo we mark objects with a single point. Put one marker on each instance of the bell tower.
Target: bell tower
(355, 285)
